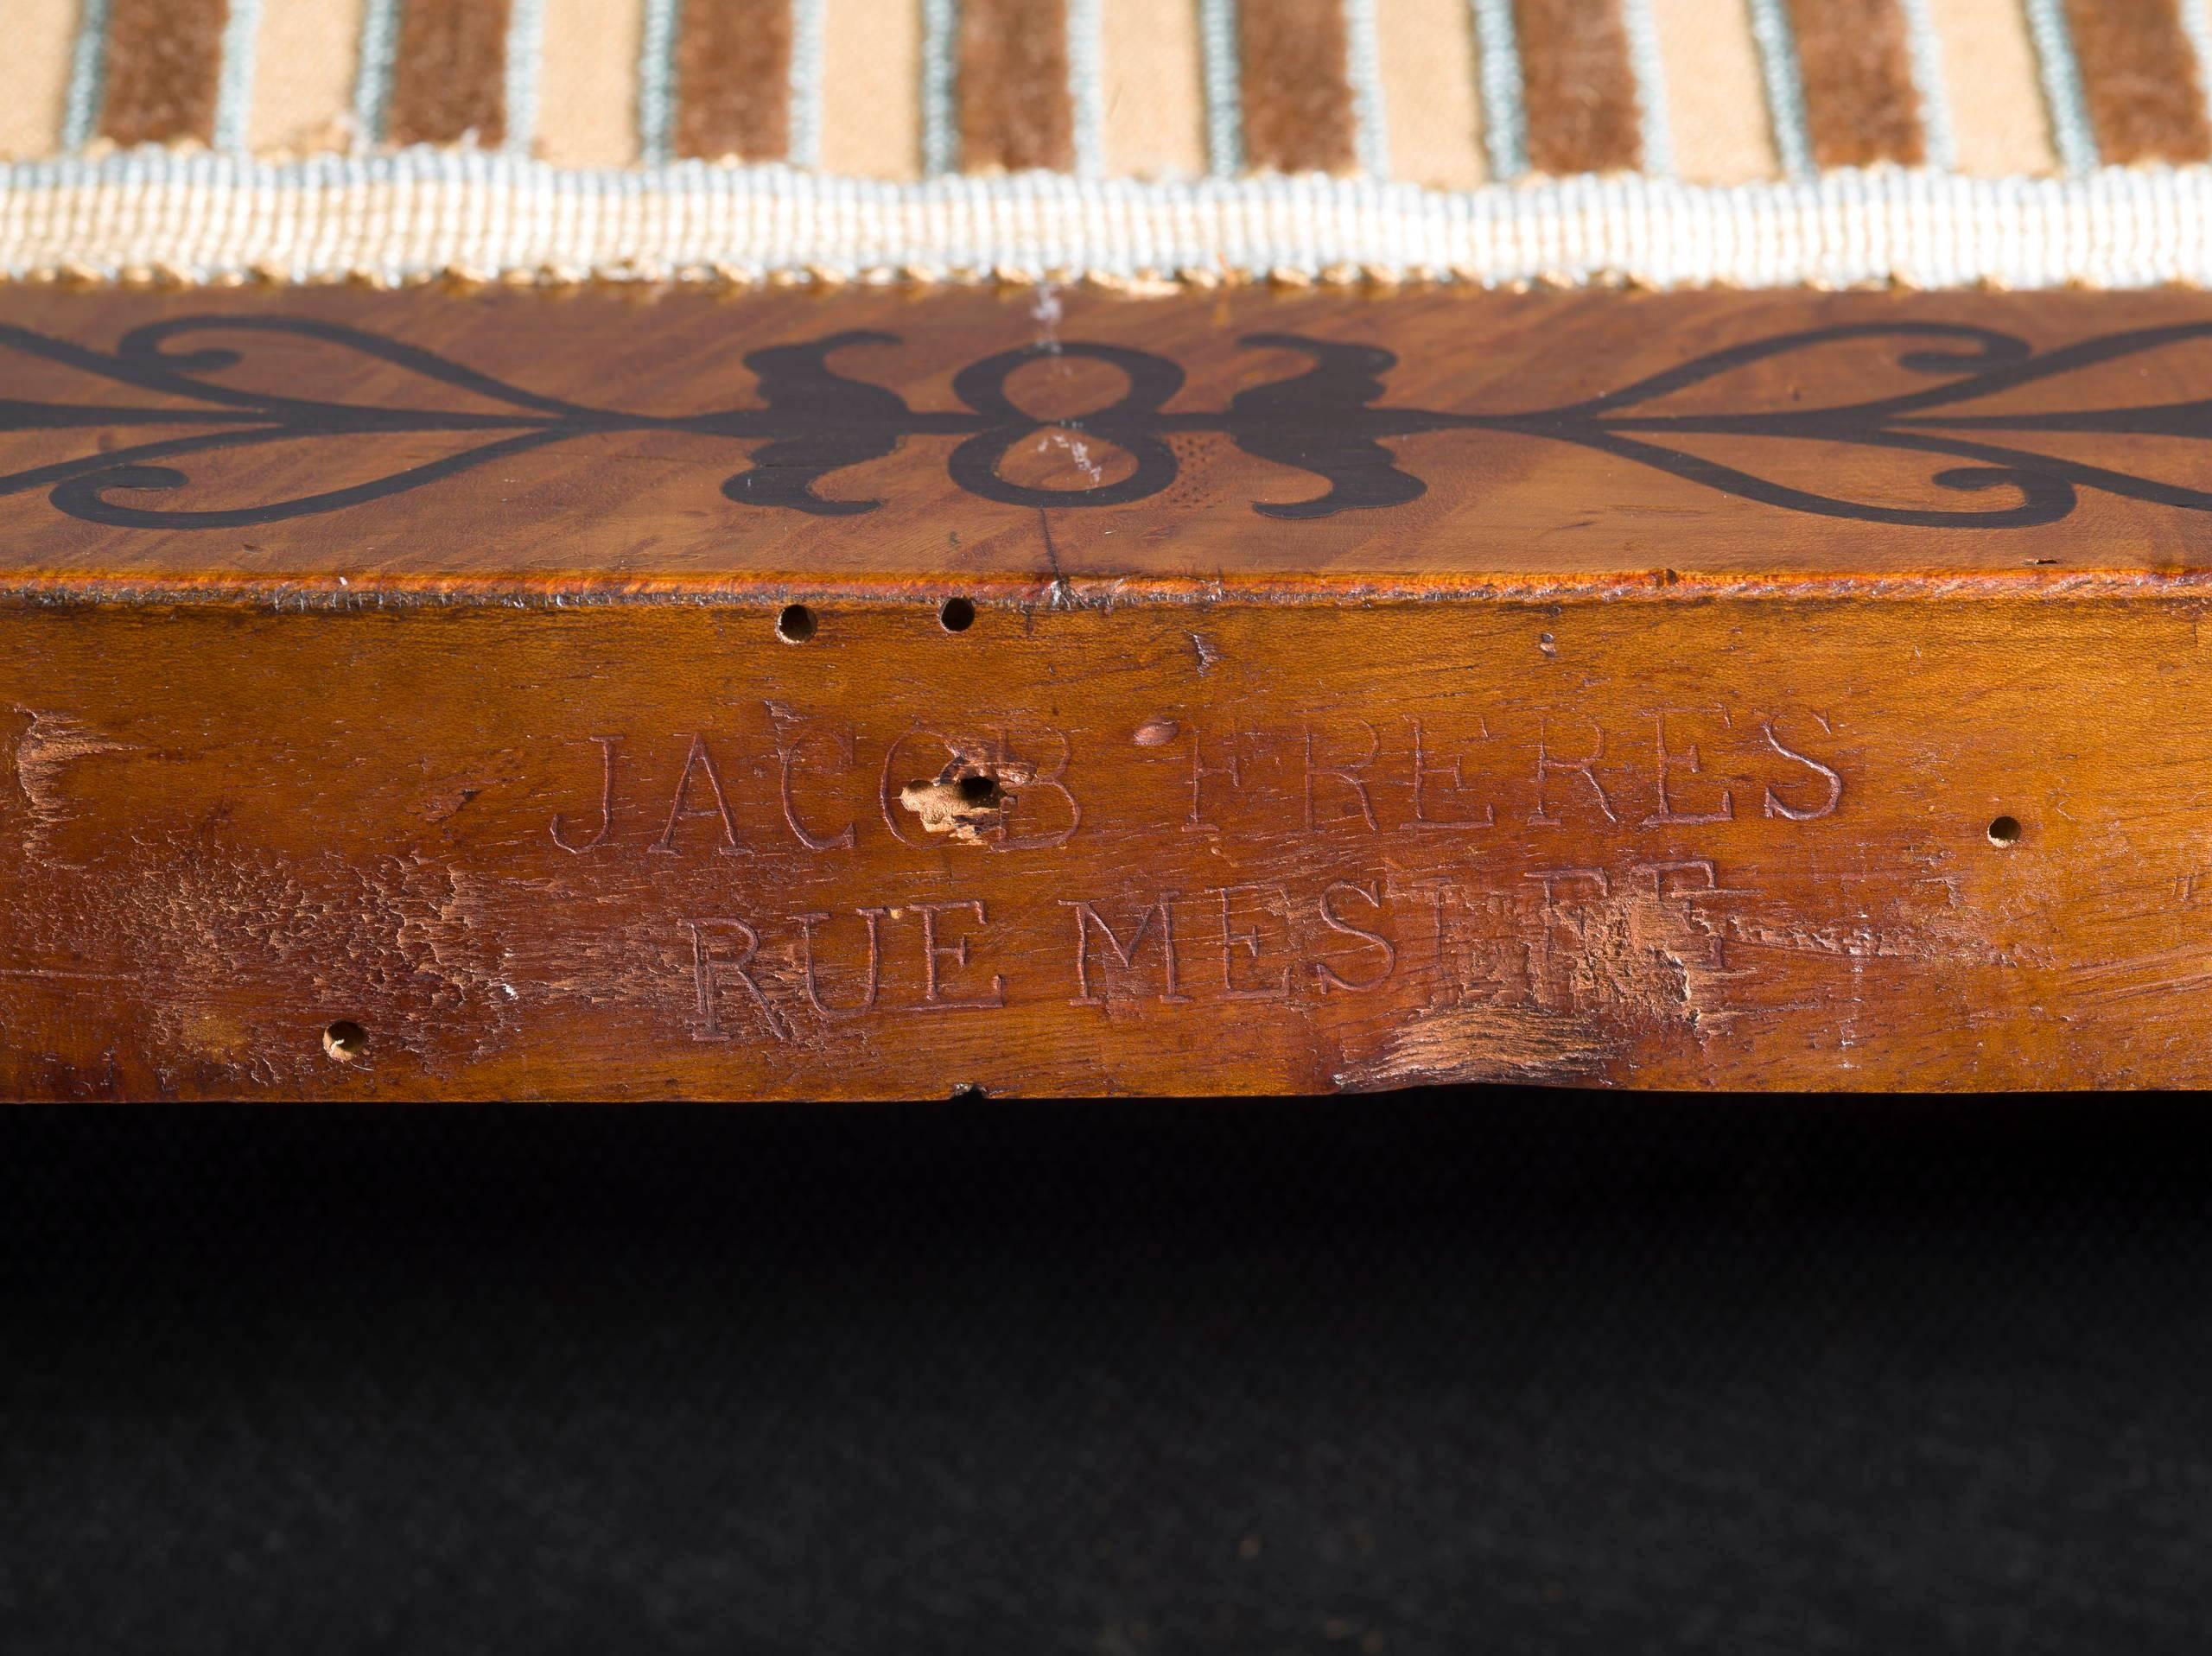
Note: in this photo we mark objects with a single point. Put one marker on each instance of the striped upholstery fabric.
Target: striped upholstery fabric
(1664, 141)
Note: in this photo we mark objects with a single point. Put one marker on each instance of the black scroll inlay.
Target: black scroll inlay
(808, 420)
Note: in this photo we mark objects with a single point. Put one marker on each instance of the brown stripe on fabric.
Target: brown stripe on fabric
(1014, 109)
(1855, 63)
(1298, 114)
(1578, 87)
(449, 76)
(164, 65)
(733, 80)
(2141, 79)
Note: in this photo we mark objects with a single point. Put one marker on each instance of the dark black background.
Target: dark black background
(1462, 1371)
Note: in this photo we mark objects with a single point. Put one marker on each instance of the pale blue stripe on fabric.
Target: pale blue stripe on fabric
(656, 82)
(2196, 24)
(373, 70)
(1497, 67)
(2071, 134)
(1925, 46)
(940, 86)
(234, 90)
(526, 60)
(1087, 87)
(80, 107)
(804, 146)
(1650, 73)
(1785, 87)
(1224, 87)
(1363, 74)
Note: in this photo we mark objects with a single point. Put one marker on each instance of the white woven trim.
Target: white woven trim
(207, 217)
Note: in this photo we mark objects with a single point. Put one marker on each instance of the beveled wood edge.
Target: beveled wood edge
(567, 589)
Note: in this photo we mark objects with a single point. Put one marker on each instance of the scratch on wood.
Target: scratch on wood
(1485, 1043)
(49, 745)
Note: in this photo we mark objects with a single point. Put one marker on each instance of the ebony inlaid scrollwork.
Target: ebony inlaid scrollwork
(810, 419)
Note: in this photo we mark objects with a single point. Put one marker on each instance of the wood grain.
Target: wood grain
(1740, 844)
(650, 760)
(636, 503)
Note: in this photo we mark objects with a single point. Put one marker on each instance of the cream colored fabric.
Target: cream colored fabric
(1998, 120)
(1154, 88)
(35, 76)
(1714, 93)
(1716, 107)
(587, 86)
(586, 186)
(1429, 99)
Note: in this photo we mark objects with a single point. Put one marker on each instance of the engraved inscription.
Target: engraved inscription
(1399, 861)
(1652, 937)
(1014, 786)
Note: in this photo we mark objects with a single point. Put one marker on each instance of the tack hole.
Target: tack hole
(955, 615)
(2004, 830)
(796, 624)
(978, 788)
(345, 1040)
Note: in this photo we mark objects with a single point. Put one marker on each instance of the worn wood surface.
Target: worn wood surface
(1500, 711)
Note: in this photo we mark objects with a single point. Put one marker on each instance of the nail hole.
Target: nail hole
(979, 789)
(956, 615)
(796, 624)
(345, 1040)
(2004, 830)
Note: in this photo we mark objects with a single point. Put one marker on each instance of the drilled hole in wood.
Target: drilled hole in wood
(956, 615)
(345, 1040)
(796, 624)
(2004, 830)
